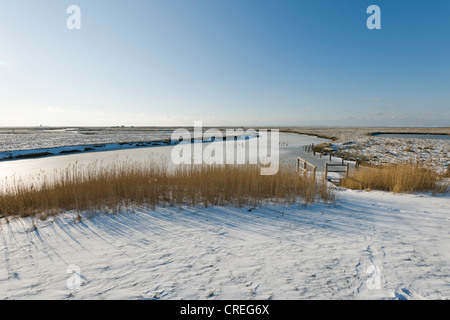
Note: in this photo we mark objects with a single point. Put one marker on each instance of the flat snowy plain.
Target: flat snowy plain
(366, 245)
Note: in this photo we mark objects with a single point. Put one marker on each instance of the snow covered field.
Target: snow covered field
(366, 245)
(358, 144)
(369, 245)
(351, 143)
(387, 150)
(14, 139)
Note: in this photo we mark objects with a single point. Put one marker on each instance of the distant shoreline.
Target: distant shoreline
(416, 133)
(98, 147)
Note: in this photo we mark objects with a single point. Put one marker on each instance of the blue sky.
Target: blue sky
(224, 62)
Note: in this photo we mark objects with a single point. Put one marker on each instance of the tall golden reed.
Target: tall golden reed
(407, 177)
(119, 185)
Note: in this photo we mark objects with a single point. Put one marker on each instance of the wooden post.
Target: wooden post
(342, 161)
(314, 173)
(346, 170)
(326, 171)
(330, 156)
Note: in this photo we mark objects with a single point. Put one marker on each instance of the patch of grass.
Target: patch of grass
(121, 185)
(409, 177)
(324, 148)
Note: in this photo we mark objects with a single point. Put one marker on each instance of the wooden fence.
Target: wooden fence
(333, 165)
(341, 167)
(303, 166)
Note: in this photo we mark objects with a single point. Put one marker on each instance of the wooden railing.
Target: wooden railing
(342, 167)
(328, 169)
(303, 166)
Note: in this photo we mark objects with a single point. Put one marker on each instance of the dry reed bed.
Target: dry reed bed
(405, 177)
(122, 185)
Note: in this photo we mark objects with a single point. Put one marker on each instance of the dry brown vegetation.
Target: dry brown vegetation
(122, 185)
(409, 177)
(324, 148)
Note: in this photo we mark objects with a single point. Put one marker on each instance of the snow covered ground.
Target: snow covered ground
(35, 143)
(351, 143)
(358, 144)
(15, 139)
(387, 150)
(368, 245)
